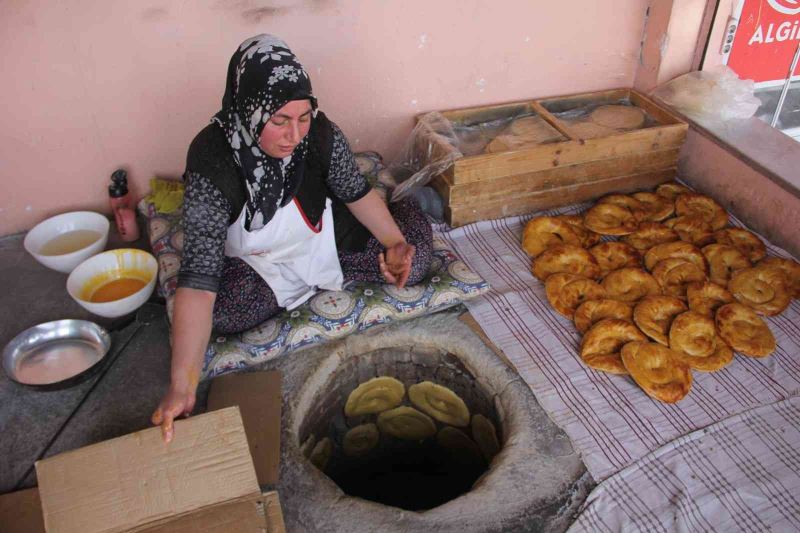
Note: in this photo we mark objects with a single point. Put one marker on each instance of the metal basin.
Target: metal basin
(56, 354)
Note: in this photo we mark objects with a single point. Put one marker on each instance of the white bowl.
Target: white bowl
(108, 266)
(47, 230)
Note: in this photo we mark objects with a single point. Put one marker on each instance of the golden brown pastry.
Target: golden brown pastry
(671, 190)
(439, 402)
(541, 233)
(593, 311)
(706, 297)
(565, 258)
(691, 228)
(693, 334)
(654, 316)
(678, 250)
(656, 206)
(790, 269)
(761, 288)
(374, 396)
(675, 274)
(602, 343)
(588, 238)
(723, 261)
(614, 254)
(630, 203)
(566, 292)
(630, 284)
(618, 116)
(705, 206)
(650, 234)
(657, 370)
(610, 219)
(747, 243)
(744, 331)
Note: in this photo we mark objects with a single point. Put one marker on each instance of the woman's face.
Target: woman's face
(286, 128)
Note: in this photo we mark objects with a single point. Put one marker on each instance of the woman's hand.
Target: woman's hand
(395, 264)
(178, 401)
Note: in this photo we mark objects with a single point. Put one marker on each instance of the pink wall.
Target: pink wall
(89, 85)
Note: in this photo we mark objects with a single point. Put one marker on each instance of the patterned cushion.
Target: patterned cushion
(328, 315)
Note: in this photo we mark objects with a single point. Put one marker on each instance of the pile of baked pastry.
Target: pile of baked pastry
(679, 291)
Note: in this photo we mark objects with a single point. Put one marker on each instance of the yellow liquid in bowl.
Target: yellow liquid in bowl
(116, 290)
(69, 242)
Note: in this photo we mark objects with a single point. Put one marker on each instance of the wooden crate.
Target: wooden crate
(487, 186)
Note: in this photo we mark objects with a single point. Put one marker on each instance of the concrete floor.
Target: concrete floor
(117, 400)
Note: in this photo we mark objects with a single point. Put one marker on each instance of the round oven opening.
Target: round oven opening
(405, 427)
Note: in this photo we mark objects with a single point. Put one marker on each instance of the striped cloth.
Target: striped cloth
(741, 474)
(612, 423)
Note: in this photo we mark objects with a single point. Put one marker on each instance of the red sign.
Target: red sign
(766, 40)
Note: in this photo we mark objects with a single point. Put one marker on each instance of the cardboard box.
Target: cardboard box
(542, 176)
(21, 512)
(203, 481)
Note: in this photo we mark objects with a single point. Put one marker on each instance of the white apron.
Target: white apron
(293, 257)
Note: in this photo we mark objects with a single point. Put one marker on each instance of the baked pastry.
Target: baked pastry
(406, 423)
(675, 274)
(534, 129)
(705, 206)
(439, 402)
(602, 343)
(585, 129)
(614, 254)
(747, 243)
(630, 203)
(691, 228)
(791, 271)
(565, 258)
(744, 331)
(588, 238)
(654, 315)
(677, 250)
(723, 261)
(761, 288)
(566, 292)
(694, 337)
(610, 219)
(706, 297)
(671, 190)
(617, 116)
(541, 233)
(373, 396)
(657, 370)
(593, 311)
(656, 206)
(650, 234)
(630, 284)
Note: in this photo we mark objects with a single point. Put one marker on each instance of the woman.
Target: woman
(274, 209)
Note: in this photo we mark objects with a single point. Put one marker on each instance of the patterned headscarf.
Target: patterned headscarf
(263, 75)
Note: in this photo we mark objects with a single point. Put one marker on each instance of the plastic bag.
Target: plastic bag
(713, 95)
(431, 149)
